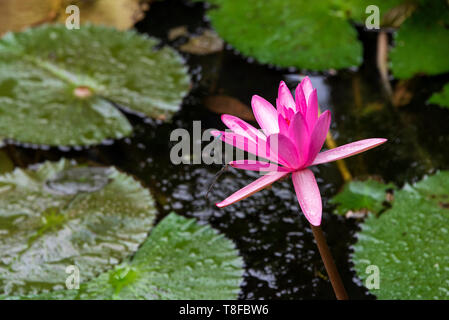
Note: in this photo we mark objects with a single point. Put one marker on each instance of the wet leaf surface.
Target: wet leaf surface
(42, 231)
(180, 260)
(409, 243)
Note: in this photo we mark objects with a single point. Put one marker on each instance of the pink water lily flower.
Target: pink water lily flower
(291, 138)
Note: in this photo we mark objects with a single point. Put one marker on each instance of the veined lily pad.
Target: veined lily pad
(299, 33)
(179, 260)
(361, 195)
(421, 44)
(48, 221)
(441, 98)
(409, 243)
(61, 87)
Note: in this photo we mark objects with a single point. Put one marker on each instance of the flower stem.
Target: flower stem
(329, 264)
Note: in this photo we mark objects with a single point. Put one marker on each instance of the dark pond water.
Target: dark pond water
(271, 234)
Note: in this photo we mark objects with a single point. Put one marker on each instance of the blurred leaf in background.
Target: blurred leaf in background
(422, 42)
(122, 14)
(441, 98)
(16, 15)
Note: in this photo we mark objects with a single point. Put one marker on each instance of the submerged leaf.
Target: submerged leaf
(179, 260)
(409, 243)
(61, 87)
(206, 43)
(229, 105)
(42, 231)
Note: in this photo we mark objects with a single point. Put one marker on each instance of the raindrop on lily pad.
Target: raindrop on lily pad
(63, 87)
(50, 220)
(82, 179)
(180, 260)
(408, 243)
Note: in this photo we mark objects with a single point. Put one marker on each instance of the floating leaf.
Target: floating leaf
(61, 87)
(179, 260)
(366, 195)
(44, 230)
(121, 14)
(303, 34)
(409, 243)
(421, 42)
(441, 98)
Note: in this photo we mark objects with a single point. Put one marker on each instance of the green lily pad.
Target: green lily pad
(441, 98)
(366, 195)
(44, 229)
(421, 42)
(409, 243)
(303, 34)
(179, 260)
(62, 87)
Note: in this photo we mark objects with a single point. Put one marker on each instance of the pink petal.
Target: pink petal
(255, 165)
(289, 113)
(301, 102)
(285, 148)
(265, 114)
(308, 195)
(252, 188)
(307, 87)
(312, 110)
(283, 126)
(347, 150)
(243, 128)
(299, 134)
(318, 135)
(285, 98)
(258, 148)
